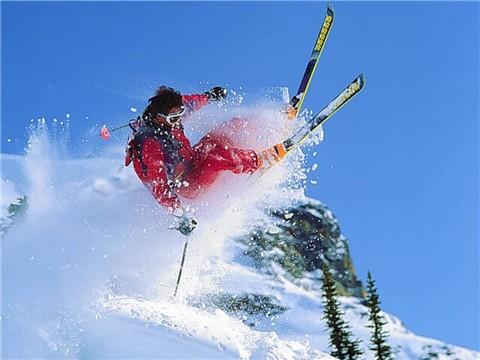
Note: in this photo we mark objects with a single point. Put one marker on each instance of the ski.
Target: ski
(297, 101)
(326, 113)
(279, 151)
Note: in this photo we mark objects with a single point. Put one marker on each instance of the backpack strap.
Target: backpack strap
(170, 146)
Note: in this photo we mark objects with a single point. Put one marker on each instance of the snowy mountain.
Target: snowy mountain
(90, 267)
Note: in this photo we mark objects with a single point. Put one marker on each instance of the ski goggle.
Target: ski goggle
(173, 117)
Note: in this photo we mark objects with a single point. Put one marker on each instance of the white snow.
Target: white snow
(216, 332)
(90, 271)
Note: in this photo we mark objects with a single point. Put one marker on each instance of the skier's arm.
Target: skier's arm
(194, 102)
(152, 171)
(197, 101)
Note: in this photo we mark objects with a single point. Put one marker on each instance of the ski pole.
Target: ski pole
(119, 127)
(181, 267)
(105, 131)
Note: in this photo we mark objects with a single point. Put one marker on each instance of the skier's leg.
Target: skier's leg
(218, 152)
(214, 154)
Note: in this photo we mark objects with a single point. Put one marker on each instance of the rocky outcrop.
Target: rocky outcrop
(300, 239)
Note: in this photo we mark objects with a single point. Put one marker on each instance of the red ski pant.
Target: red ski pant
(214, 154)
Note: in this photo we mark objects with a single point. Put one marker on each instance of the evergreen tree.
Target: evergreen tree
(354, 351)
(378, 340)
(15, 212)
(343, 348)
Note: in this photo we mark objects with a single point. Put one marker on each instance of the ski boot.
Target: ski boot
(271, 156)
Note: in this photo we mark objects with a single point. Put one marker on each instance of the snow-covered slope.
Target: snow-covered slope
(189, 332)
(90, 270)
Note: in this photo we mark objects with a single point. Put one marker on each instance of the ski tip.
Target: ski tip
(361, 78)
(330, 11)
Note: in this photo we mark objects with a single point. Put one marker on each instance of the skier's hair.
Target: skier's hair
(164, 99)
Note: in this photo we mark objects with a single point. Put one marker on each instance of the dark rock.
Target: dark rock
(300, 239)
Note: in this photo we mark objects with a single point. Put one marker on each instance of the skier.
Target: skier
(169, 166)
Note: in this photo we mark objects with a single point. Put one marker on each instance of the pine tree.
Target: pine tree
(342, 346)
(15, 212)
(378, 340)
(354, 351)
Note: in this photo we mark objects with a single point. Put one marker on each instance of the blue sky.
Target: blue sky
(399, 165)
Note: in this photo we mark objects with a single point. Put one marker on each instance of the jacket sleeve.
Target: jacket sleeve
(194, 102)
(150, 168)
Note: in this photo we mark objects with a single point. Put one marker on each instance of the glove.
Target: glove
(217, 93)
(186, 224)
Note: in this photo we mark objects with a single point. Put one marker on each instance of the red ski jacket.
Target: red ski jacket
(161, 157)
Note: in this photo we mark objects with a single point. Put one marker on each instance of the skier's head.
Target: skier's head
(166, 107)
